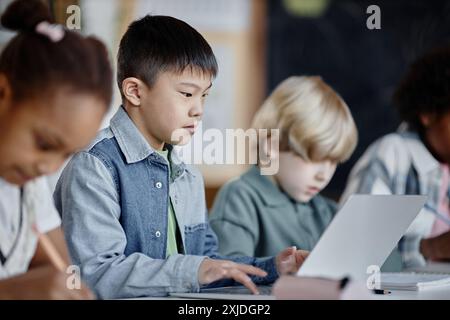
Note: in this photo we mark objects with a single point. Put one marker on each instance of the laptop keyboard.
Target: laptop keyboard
(263, 290)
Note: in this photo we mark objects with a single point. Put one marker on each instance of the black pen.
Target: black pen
(381, 291)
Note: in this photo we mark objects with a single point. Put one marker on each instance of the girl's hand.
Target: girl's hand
(43, 283)
(437, 248)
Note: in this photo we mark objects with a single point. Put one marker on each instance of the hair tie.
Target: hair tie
(55, 32)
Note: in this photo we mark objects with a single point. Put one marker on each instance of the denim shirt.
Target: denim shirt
(113, 200)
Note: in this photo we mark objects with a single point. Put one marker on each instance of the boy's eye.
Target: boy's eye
(204, 95)
(186, 94)
(43, 145)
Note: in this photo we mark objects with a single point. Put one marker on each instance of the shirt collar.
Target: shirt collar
(133, 144)
(178, 166)
(270, 193)
(423, 160)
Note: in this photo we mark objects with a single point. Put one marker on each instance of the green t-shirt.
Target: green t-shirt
(172, 247)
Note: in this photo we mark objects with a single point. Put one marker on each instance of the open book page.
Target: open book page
(433, 267)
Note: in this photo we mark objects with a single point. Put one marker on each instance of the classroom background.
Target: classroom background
(258, 43)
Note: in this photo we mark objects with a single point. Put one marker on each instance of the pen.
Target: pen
(381, 291)
(437, 214)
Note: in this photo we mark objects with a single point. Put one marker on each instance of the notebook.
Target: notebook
(412, 281)
(432, 267)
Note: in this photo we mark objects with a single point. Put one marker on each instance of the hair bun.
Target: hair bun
(24, 15)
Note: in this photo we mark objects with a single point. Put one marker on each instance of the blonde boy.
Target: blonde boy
(258, 215)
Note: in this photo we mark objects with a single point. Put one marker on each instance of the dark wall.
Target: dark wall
(363, 65)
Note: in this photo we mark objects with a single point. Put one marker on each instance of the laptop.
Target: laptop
(362, 235)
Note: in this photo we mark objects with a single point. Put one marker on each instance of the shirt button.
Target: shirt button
(158, 185)
(158, 234)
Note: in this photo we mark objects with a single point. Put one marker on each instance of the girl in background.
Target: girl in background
(55, 88)
(416, 158)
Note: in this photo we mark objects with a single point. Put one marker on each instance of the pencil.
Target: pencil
(49, 248)
(437, 214)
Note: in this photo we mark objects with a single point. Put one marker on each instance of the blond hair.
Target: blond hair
(314, 121)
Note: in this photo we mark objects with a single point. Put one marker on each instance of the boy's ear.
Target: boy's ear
(131, 88)
(5, 93)
(269, 153)
(268, 148)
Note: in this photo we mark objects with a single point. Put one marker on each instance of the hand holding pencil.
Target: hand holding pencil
(57, 282)
(50, 250)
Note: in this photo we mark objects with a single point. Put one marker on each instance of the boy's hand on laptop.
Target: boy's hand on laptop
(212, 270)
(290, 260)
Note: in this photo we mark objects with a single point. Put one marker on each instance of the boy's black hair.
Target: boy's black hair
(426, 88)
(155, 44)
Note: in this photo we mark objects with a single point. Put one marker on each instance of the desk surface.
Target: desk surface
(438, 293)
(442, 293)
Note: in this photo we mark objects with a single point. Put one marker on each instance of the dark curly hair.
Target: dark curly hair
(425, 89)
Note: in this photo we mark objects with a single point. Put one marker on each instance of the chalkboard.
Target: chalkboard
(363, 65)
